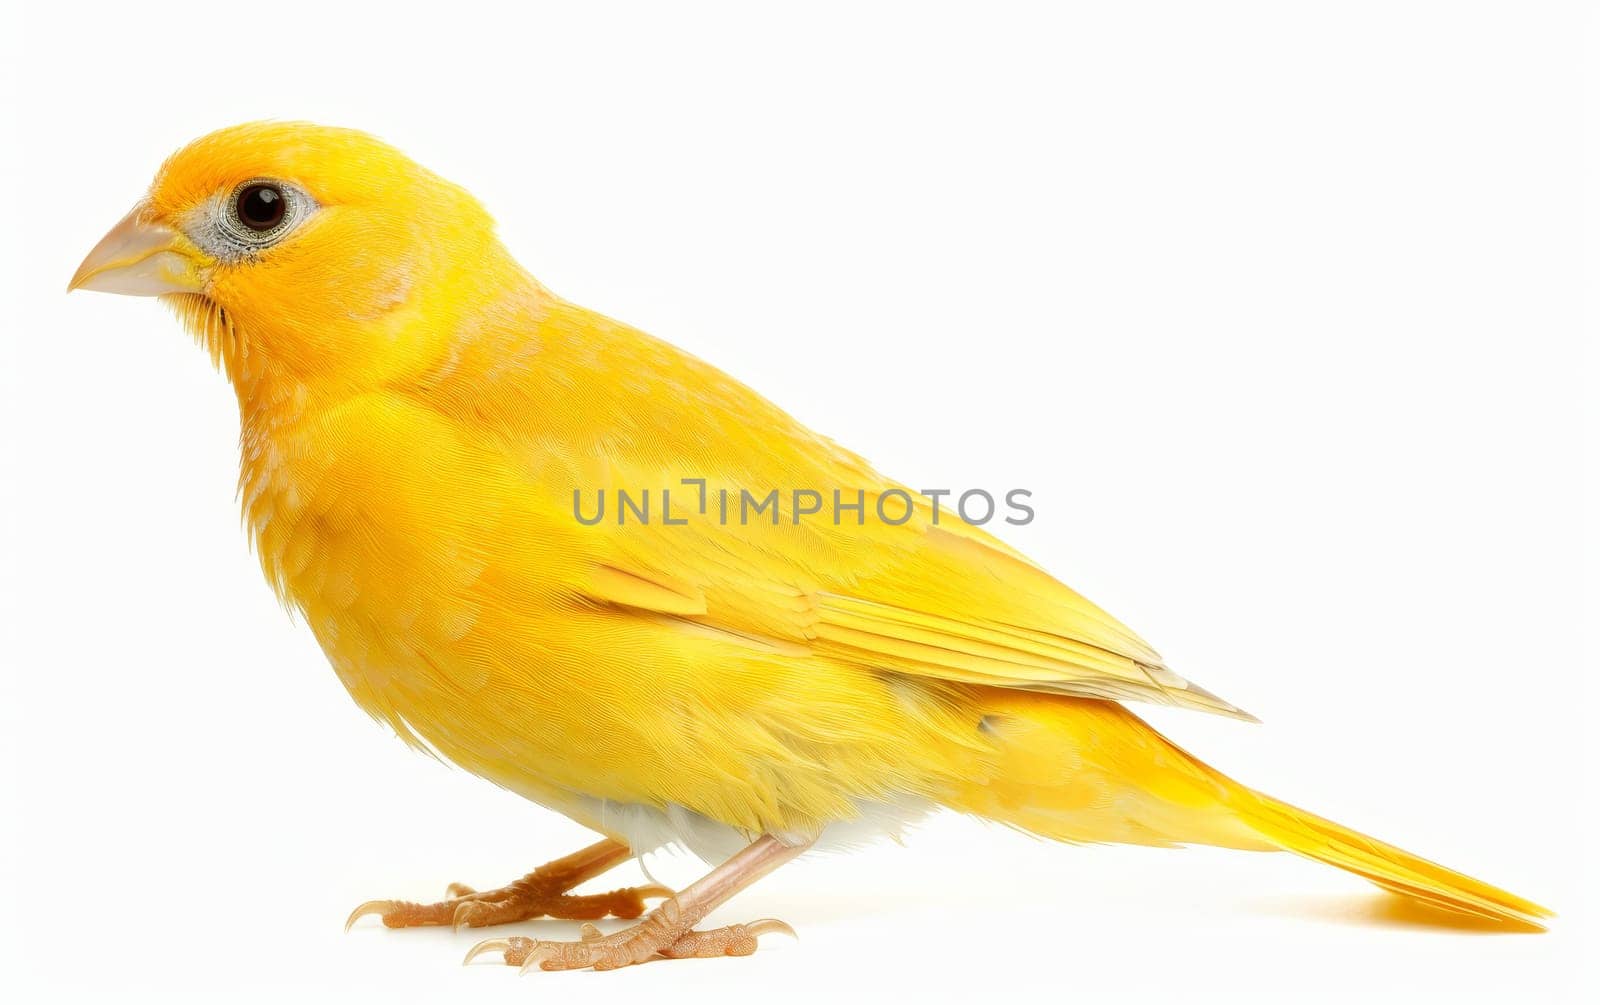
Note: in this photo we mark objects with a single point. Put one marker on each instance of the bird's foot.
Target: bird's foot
(542, 893)
(658, 935)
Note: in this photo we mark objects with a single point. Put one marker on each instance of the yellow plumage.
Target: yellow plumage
(416, 415)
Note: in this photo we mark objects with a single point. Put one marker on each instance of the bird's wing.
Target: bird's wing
(943, 601)
(606, 407)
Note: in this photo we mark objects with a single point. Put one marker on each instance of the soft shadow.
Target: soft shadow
(1384, 910)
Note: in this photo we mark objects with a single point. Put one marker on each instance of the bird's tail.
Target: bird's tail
(1392, 868)
(1086, 770)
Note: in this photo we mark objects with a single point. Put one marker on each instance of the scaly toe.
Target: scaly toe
(531, 958)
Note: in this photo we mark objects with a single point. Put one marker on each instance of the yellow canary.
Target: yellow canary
(546, 546)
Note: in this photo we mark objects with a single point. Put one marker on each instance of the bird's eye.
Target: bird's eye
(260, 206)
(256, 215)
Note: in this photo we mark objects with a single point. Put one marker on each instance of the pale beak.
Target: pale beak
(141, 257)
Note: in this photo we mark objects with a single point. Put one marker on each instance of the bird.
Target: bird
(428, 441)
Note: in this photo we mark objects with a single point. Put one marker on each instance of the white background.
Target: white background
(1276, 309)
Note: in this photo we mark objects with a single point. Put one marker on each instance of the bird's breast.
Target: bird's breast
(362, 526)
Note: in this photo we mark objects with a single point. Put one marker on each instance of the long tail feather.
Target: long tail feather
(1391, 868)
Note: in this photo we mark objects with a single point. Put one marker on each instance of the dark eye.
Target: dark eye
(260, 207)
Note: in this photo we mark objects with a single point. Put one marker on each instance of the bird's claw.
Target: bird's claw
(378, 907)
(515, 949)
(772, 926)
(463, 914)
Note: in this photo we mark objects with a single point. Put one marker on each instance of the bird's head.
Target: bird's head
(306, 249)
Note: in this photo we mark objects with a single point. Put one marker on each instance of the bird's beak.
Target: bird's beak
(142, 257)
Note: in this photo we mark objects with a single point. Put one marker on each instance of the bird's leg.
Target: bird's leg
(541, 893)
(668, 930)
